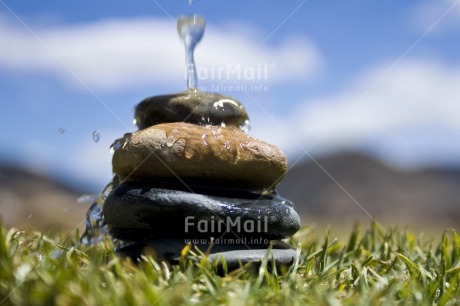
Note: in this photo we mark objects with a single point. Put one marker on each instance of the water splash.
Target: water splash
(96, 136)
(191, 30)
(96, 228)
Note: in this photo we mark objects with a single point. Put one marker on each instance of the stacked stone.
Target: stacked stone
(192, 172)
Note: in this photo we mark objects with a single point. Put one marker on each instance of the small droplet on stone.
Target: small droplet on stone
(188, 154)
(116, 145)
(96, 136)
(170, 141)
(227, 145)
(30, 216)
(246, 127)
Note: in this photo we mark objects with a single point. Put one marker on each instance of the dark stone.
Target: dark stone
(191, 106)
(143, 210)
(234, 255)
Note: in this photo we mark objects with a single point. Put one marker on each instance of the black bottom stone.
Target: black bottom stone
(138, 211)
(235, 255)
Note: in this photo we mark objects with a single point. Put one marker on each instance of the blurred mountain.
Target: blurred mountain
(32, 200)
(337, 189)
(353, 186)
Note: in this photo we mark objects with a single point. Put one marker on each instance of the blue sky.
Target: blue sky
(316, 77)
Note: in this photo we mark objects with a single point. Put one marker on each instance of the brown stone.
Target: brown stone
(210, 154)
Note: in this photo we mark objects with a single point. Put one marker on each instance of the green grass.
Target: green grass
(375, 267)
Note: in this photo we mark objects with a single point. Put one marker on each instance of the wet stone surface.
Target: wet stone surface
(235, 255)
(193, 107)
(140, 210)
(208, 153)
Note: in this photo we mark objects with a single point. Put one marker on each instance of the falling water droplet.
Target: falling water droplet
(61, 130)
(191, 30)
(96, 136)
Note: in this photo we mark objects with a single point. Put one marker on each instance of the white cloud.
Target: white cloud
(113, 54)
(442, 15)
(92, 162)
(410, 117)
(83, 160)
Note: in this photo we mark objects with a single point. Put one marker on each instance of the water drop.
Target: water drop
(221, 102)
(246, 126)
(227, 145)
(61, 130)
(216, 133)
(134, 121)
(22, 272)
(118, 144)
(86, 198)
(56, 254)
(96, 228)
(96, 136)
(191, 30)
(170, 141)
(203, 137)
